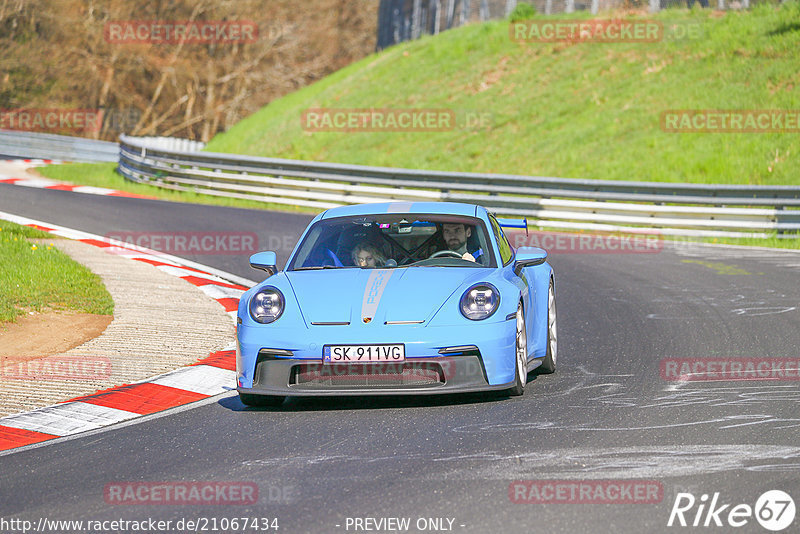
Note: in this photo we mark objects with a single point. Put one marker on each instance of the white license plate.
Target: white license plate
(363, 353)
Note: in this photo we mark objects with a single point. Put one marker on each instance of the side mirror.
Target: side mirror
(527, 257)
(264, 261)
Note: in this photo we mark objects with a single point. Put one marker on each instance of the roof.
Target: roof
(448, 208)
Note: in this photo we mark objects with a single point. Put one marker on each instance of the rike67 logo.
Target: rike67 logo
(774, 510)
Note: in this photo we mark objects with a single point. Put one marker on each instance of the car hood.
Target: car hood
(358, 296)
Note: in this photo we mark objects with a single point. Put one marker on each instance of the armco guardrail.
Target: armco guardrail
(22, 144)
(603, 205)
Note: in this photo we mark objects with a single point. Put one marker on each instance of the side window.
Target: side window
(506, 252)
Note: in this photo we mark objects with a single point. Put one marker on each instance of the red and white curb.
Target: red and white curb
(46, 183)
(210, 376)
(34, 162)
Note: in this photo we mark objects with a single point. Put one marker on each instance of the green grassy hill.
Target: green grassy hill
(581, 110)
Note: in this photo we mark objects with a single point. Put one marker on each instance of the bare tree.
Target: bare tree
(58, 55)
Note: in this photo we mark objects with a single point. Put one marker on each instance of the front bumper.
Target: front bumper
(267, 358)
(416, 376)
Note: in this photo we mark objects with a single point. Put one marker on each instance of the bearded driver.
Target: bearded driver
(455, 237)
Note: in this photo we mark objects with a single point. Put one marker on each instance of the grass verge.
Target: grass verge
(772, 242)
(39, 277)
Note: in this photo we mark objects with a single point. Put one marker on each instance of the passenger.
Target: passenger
(367, 255)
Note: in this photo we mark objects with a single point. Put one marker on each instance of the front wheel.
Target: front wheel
(549, 361)
(261, 401)
(521, 357)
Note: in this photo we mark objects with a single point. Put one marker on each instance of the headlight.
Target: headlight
(480, 301)
(266, 305)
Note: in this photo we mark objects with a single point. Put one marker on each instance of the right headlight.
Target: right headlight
(480, 301)
(266, 305)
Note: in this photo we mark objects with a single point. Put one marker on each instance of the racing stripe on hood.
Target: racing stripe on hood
(399, 207)
(376, 283)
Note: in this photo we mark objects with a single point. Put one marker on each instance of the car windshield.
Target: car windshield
(395, 240)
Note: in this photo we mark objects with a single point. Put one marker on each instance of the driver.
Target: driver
(455, 236)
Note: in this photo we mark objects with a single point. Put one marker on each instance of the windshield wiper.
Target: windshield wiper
(314, 268)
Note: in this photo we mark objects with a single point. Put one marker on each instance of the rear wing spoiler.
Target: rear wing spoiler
(514, 223)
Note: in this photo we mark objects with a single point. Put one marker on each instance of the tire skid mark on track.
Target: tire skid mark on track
(634, 461)
(650, 461)
(721, 422)
(680, 303)
(610, 391)
(210, 376)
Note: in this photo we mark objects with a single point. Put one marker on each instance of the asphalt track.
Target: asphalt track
(605, 414)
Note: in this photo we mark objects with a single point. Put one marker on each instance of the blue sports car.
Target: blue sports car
(397, 298)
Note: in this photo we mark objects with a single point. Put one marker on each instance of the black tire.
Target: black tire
(261, 401)
(549, 362)
(520, 356)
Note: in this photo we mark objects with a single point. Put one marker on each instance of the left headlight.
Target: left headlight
(266, 305)
(480, 301)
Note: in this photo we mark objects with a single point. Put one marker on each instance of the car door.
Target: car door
(507, 261)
